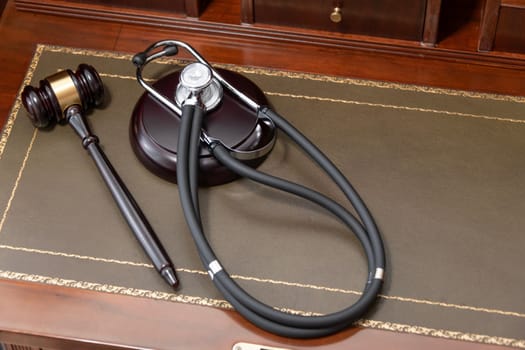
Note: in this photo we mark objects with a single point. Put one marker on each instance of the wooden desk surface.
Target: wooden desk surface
(96, 320)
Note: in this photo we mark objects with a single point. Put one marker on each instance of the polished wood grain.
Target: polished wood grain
(192, 8)
(223, 16)
(489, 24)
(170, 6)
(431, 24)
(2, 6)
(78, 319)
(247, 12)
(63, 318)
(503, 26)
(510, 35)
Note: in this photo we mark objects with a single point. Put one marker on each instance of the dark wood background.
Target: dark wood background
(102, 321)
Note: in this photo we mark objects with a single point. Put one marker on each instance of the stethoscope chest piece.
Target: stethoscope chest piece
(198, 77)
(154, 128)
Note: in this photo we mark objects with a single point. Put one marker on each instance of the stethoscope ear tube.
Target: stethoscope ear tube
(262, 315)
(338, 177)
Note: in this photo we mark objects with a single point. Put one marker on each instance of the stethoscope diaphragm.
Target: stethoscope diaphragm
(197, 78)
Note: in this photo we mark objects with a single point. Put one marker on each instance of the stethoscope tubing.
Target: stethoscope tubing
(262, 315)
(340, 179)
(192, 137)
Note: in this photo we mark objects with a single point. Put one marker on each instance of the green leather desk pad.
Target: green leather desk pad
(442, 172)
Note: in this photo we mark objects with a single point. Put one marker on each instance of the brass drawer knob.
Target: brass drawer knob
(336, 16)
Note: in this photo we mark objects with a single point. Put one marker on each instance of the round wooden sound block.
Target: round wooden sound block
(154, 130)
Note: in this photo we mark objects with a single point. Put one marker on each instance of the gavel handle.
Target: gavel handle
(123, 198)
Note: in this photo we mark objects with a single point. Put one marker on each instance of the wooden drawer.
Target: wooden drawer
(401, 19)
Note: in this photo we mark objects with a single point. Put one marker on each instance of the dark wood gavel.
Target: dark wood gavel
(63, 98)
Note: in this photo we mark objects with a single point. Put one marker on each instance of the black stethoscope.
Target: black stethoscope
(199, 91)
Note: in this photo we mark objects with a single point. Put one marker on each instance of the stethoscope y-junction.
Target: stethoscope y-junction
(199, 92)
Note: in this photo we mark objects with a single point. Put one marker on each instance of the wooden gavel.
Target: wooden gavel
(63, 98)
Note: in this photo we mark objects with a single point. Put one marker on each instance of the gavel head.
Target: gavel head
(47, 104)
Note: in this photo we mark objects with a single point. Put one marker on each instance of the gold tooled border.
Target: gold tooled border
(427, 302)
(460, 307)
(268, 72)
(412, 329)
(3, 218)
(442, 333)
(218, 303)
(305, 76)
(358, 103)
(6, 131)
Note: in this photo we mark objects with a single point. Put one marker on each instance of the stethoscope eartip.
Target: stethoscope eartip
(171, 50)
(139, 59)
